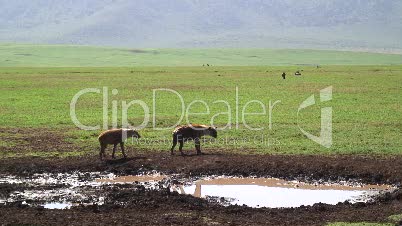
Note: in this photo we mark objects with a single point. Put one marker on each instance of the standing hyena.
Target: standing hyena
(115, 137)
(194, 132)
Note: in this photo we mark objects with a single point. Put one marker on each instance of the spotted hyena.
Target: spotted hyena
(115, 137)
(194, 132)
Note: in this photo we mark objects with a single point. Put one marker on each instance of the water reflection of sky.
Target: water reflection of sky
(274, 197)
(56, 205)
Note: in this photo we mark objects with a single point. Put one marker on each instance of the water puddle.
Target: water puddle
(275, 193)
(57, 205)
(133, 179)
(64, 191)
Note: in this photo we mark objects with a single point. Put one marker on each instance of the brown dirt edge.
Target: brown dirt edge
(367, 169)
(162, 207)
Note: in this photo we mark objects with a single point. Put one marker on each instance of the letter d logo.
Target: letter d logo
(325, 138)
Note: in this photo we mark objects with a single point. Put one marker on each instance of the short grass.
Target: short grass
(20, 55)
(395, 218)
(367, 113)
(42, 154)
(360, 224)
(392, 219)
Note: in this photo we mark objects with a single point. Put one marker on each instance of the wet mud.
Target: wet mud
(163, 206)
(63, 191)
(138, 204)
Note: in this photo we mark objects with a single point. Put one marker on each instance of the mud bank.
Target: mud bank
(143, 206)
(367, 169)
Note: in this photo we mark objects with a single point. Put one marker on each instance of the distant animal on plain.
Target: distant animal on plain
(191, 132)
(297, 73)
(284, 75)
(115, 137)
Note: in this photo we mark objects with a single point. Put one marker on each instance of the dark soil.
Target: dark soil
(145, 207)
(368, 169)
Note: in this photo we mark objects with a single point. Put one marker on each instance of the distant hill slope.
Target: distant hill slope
(12, 55)
(337, 24)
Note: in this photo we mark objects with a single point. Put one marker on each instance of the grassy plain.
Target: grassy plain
(367, 113)
(25, 55)
(38, 83)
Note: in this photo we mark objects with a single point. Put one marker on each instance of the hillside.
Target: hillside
(64, 55)
(337, 24)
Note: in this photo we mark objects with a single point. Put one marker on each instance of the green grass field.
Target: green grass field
(13, 55)
(367, 113)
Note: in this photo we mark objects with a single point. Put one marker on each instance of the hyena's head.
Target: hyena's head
(213, 132)
(133, 133)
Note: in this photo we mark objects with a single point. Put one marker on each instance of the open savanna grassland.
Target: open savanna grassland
(26, 55)
(367, 113)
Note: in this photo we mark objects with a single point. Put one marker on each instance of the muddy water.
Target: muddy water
(54, 191)
(63, 191)
(133, 179)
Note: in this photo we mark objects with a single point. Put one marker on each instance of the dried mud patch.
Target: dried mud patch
(31, 140)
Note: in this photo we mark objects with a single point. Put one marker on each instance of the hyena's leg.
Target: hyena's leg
(181, 143)
(102, 151)
(197, 146)
(174, 144)
(114, 150)
(122, 149)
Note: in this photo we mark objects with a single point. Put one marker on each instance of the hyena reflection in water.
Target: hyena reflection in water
(191, 132)
(115, 137)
